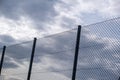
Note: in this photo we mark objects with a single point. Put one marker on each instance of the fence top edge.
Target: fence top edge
(47, 36)
(102, 22)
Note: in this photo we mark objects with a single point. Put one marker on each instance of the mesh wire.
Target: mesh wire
(99, 54)
(16, 61)
(1, 49)
(54, 57)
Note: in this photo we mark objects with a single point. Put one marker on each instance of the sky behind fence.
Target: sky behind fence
(99, 55)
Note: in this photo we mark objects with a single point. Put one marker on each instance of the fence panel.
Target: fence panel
(54, 57)
(99, 56)
(16, 61)
(1, 49)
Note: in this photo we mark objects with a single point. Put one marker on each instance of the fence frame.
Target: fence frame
(2, 59)
(76, 52)
(31, 59)
(75, 62)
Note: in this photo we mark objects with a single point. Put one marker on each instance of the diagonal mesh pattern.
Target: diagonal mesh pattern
(16, 61)
(99, 56)
(54, 56)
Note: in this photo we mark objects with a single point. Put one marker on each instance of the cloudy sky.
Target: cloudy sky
(21, 20)
(24, 19)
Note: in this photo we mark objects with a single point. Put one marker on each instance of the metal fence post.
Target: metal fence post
(76, 53)
(119, 78)
(2, 59)
(31, 60)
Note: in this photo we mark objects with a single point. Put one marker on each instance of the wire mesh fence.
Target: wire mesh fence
(16, 61)
(1, 49)
(54, 56)
(99, 55)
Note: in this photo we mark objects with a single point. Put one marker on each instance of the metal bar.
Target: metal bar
(119, 78)
(76, 53)
(2, 58)
(31, 60)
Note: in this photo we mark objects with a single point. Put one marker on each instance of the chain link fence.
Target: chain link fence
(99, 55)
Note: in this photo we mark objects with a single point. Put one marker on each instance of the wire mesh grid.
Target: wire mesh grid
(99, 55)
(16, 61)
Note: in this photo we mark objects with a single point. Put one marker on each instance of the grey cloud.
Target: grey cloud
(1, 45)
(68, 22)
(6, 38)
(39, 11)
(10, 9)
(9, 65)
(19, 51)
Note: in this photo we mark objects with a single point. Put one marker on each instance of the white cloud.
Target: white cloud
(20, 30)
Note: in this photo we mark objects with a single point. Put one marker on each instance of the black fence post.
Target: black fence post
(31, 60)
(2, 59)
(119, 78)
(76, 53)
